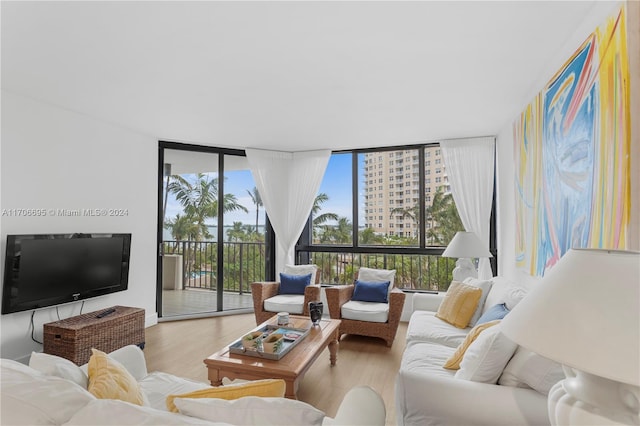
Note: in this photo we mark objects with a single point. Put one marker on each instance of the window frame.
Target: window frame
(305, 245)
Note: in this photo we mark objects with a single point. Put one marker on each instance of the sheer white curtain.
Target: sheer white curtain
(470, 167)
(288, 183)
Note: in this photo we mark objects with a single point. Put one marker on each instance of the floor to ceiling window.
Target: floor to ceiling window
(386, 208)
(211, 233)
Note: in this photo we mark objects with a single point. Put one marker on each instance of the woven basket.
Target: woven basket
(73, 338)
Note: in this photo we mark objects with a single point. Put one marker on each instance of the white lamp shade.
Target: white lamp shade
(466, 245)
(585, 314)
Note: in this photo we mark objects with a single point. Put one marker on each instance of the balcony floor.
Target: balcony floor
(196, 302)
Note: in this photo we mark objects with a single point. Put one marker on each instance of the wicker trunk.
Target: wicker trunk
(73, 338)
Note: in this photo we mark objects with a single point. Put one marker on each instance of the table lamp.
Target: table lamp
(464, 246)
(585, 315)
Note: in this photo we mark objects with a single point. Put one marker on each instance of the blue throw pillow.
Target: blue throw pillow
(293, 284)
(371, 292)
(496, 312)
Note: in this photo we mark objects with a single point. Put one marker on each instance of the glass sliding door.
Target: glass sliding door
(244, 234)
(209, 249)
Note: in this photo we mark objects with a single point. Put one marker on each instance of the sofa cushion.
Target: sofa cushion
(487, 356)
(292, 303)
(53, 365)
(505, 291)
(252, 410)
(365, 311)
(496, 312)
(426, 358)
(108, 379)
(425, 327)
(453, 363)
(109, 412)
(157, 385)
(371, 292)
(528, 369)
(261, 388)
(293, 284)
(36, 398)
(485, 286)
(459, 304)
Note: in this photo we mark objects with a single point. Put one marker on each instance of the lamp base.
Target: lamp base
(464, 269)
(585, 399)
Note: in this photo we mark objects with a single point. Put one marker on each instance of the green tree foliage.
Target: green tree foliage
(199, 201)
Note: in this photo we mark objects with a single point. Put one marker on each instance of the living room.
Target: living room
(78, 136)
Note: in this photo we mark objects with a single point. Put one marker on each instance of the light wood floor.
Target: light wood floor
(179, 348)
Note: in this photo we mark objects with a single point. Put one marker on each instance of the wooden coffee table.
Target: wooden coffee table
(291, 367)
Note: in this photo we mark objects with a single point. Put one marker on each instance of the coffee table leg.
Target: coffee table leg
(214, 377)
(333, 351)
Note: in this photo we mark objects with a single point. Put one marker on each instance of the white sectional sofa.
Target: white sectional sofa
(54, 392)
(428, 394)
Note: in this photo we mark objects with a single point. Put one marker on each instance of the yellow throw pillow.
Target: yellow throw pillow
(265, 388)
(459, 304)
(108, 379)
(453, 363)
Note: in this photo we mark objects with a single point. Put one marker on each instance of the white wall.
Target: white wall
(54, 158)
(505, 145)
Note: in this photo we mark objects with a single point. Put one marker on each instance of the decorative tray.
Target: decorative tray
(289, 338)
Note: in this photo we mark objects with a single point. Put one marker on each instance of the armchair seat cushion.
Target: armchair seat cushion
(292, 303)
(365, 311)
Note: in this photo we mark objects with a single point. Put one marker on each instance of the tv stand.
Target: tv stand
(105, 330)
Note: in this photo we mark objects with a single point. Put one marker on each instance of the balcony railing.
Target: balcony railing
(413, 271)
(243, 263)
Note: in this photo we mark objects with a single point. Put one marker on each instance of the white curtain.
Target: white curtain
(470, 167)
(288, 183)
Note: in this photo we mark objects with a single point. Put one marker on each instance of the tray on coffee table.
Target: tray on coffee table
(291, 337)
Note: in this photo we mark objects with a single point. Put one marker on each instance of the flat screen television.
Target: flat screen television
(50, 269)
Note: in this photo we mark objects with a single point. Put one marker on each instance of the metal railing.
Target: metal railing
(413, 271)
(243, 263)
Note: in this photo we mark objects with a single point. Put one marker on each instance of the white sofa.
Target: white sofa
(55, 394)
(428, 394)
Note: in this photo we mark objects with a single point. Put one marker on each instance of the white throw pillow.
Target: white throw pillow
(104, 412)
(513, 296)
(53, 365)
(485, 286)
(251, 410)
(486, 357)
(528, 369)
(369, 275)
(302, 270)
(36, 398)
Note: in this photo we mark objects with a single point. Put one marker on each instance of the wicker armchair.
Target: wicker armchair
(339, 295)
(264, 290)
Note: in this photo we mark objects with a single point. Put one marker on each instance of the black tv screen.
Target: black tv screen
(50, 269)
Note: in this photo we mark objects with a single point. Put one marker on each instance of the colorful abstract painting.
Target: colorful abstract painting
(572, 150)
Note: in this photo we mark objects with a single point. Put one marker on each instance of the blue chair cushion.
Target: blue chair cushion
(371, 292)
(293, 284)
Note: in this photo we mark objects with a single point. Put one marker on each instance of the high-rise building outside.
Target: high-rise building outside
(391, 189)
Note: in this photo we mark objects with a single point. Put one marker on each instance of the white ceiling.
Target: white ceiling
(287, 75)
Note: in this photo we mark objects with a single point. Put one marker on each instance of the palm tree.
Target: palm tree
(237, 232)
(257, 201)
(199, 200)
(319, 220)
(444, 214)
(182, 228)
